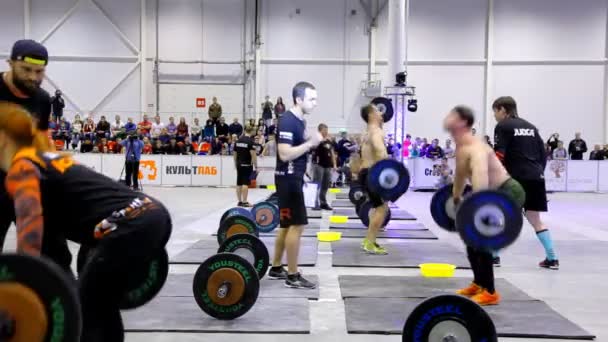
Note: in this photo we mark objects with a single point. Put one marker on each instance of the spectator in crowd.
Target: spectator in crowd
(216, 146)
(548, 152)
(232, 146)
(209, 131)
(103, 128)
(172, 148)
(272, 129)
(279, 108)
(345, 147)
(164, 136)
(434, 151)
(560, 153)
(448, 151)
(76, 131)
(406, 146)
(251, 124)
(270, 148)
(222, 130)
(445, 174)
(130, 127)
(145, 126)
(117, 127)
(235, 128)
(577, 147)
(553, 140)
(488, 141)
(204, 148)
(88, 129)
(257, 144)
(415, 149)
(597, 153)
(392, 149)
(267, 108)
(86, 146)
(323, 161)
(172, 128)
(57, 104)
(186, 145)
(215, 110)
(261, 127)
(158, 148)
(147, 146)
(157, 128)
(53, 126)
(424, 144)
(118, 147)
(182, 130)
(64, 131)
(195, 130)
(102, 143)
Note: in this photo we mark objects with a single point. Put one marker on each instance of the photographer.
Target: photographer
(57, 104)
(134, 147)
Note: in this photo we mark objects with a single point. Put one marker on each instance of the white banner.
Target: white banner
(555, 175)
(113, 165)
(582, 175)
(207, 170)
(228, 174)
(266, 167)
(603, 176)
(176, 170)
(88, 159)
(427, 172)
(150, 169)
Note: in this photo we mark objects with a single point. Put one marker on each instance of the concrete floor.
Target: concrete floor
(579, 290)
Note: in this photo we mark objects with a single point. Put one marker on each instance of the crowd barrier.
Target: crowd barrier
(560, 175)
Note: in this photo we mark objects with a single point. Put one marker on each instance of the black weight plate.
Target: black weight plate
(254, 245)
(356, 194)
(266, 216)
(236, 211)
(144, 283)
(437, 318)
(385, 106)
(438, 212)
(389, 179)
(364, 210)
(478, 234)
(229, 264)
(236, 225)
(55, 289)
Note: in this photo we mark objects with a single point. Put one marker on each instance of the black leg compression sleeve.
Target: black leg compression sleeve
(474, 261)
(486, 267)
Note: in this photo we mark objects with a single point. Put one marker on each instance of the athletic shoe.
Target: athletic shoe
(374, 248)
(279, 273)
(246, 205)
(486, 298)
(470, 291)
(496, 262)
(550, 264)
(240, 204)
(326, 207)
(296, 281)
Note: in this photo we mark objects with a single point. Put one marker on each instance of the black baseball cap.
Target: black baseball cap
(30, 51)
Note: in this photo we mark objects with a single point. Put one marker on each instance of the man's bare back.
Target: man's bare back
(372, 149)
(477, 163)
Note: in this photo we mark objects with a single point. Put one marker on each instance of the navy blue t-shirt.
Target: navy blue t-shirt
(291, 131)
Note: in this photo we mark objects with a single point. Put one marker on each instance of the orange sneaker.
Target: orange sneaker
(486, 298)
(470, 291)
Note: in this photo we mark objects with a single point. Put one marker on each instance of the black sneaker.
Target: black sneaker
(496, 262)
(326, 207)
(296, 281)
(277, 273)
(550, 264)
(240, 204)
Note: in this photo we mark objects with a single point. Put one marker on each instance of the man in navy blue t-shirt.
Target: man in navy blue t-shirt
(293, 147)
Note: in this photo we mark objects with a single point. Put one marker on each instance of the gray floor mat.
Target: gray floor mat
(346, 203)
(357, 224)
(396, 214)
(389, 234)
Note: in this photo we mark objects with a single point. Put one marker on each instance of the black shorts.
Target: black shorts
(536, 194)
(292, 207)
(243, 175)
(374, 199)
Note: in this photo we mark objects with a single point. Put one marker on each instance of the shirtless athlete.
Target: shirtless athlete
(477, 163)
(372, 151)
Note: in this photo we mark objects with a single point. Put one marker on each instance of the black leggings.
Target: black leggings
(129, 247)
(483, 268)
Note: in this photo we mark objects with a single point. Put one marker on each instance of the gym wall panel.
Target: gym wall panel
(438, 31)
(549, 29)
(563, 99)
(126, 15)
(45, 14)
(11, 17)
(124, 100)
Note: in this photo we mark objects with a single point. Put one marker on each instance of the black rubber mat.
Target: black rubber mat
(396, 214)
(346, 203)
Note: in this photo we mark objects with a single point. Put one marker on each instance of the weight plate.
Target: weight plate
(144, 283)
(236, 211)
(54, 289)
(489, 220)
(449, 318)
(365, 210)
(226, 286)
(236, 225)
(255, 247)
(389, 179)
(385, 106)
(356, 194)
(438, 208)
(266, 216)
